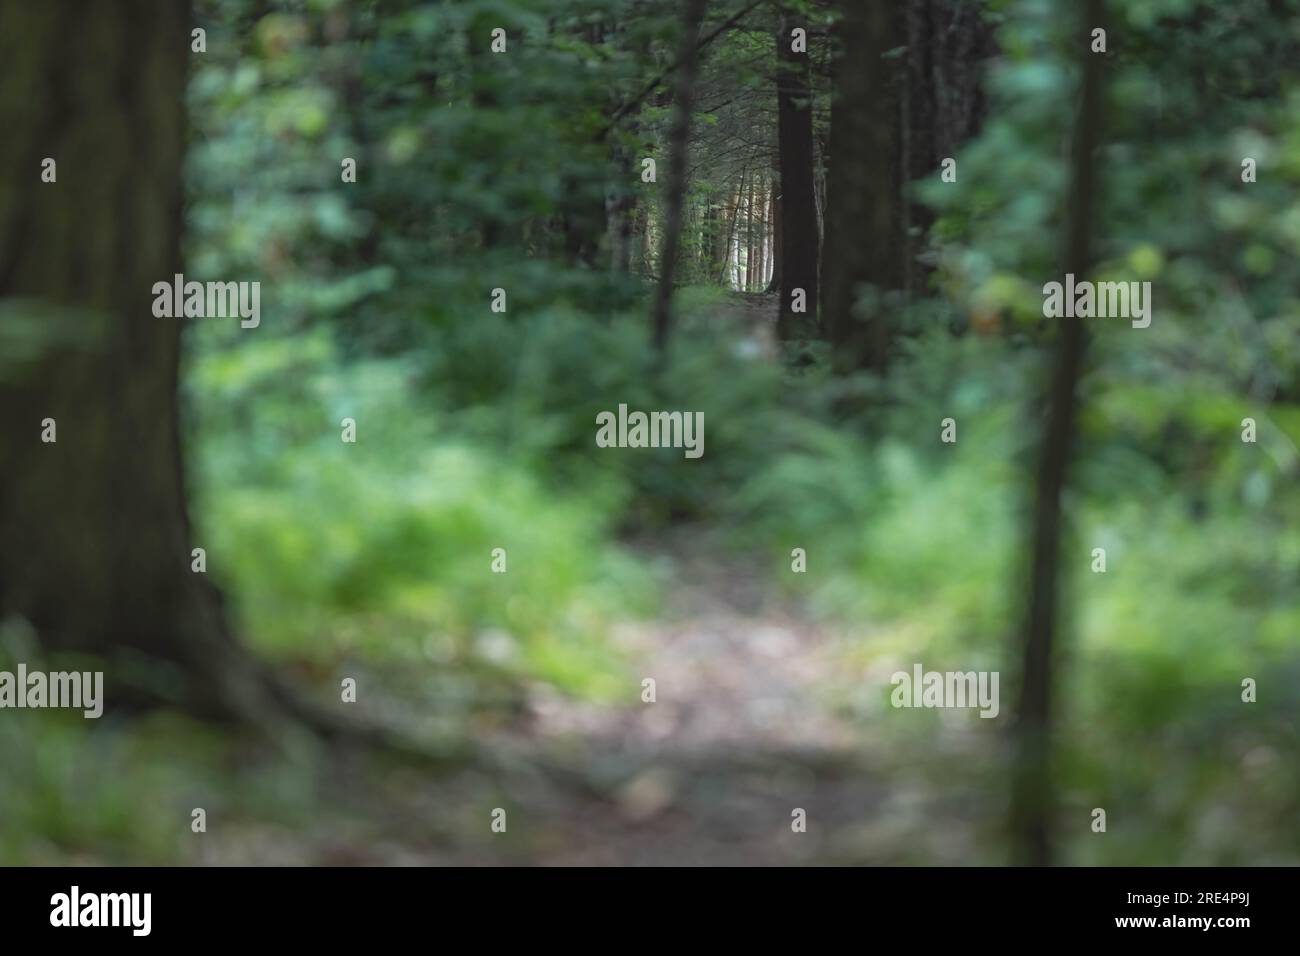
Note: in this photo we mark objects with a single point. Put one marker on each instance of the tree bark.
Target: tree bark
(727, 279)
(944, 104)
(96, 550)
(864, 236)
(778, 239)
(622, 215)
(647, 212)
(750, 258)
(678, 140)
(717, 237)
(762, 238)
(1032, 793)
(798, 202)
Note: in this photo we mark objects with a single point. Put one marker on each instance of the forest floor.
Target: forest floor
(761, 709)
(756, 312)
(758, 712)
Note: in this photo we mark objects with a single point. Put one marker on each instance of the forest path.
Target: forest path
(759, 711)
(749, 723)
(735, 664)
(755, 314)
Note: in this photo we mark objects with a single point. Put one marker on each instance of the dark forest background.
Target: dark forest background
(789, 169)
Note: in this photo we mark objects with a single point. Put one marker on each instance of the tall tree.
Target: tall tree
(97, 548)
(774, 283)
(943, 102)
(483, 96)
(798, 202)
(864, 235)
(717, 235)
(734, 205)
(893, 119)
(678, 137)
(752, 249)
(1032, 796)
(621, 211)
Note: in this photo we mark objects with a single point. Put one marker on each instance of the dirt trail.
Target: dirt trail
(741, 733)
(756, 313)
(757, 713)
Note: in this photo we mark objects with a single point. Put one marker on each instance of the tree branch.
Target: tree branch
(649, 88)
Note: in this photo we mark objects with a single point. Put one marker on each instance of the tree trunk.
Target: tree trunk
(692, 15)
(948, 42)
(799, 205)
(699, 221)
(648, 264)
(483, 97)
(819, 196)
(864, 236)
(621, 213)
(1032, 795)
(750, 258)
(742, 241)
(621, 208)
(717, 237)
(96, 549)
(727, 277)
(778, 239)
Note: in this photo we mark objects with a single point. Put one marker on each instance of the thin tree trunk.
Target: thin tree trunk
(622, 211)
(717, 237)
(648, 264)
(742, 251)
(699, 213)
(733, 246)
(771, 235)
(623, 214)
(483, 98)
(749, 238)
(692, 16)
(778, 238)
(733, 278)
(799, 204)
(1032, 796)
(819, 194)
(745, 237)
(731, 229)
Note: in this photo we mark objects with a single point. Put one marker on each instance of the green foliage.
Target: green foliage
(382, 546)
